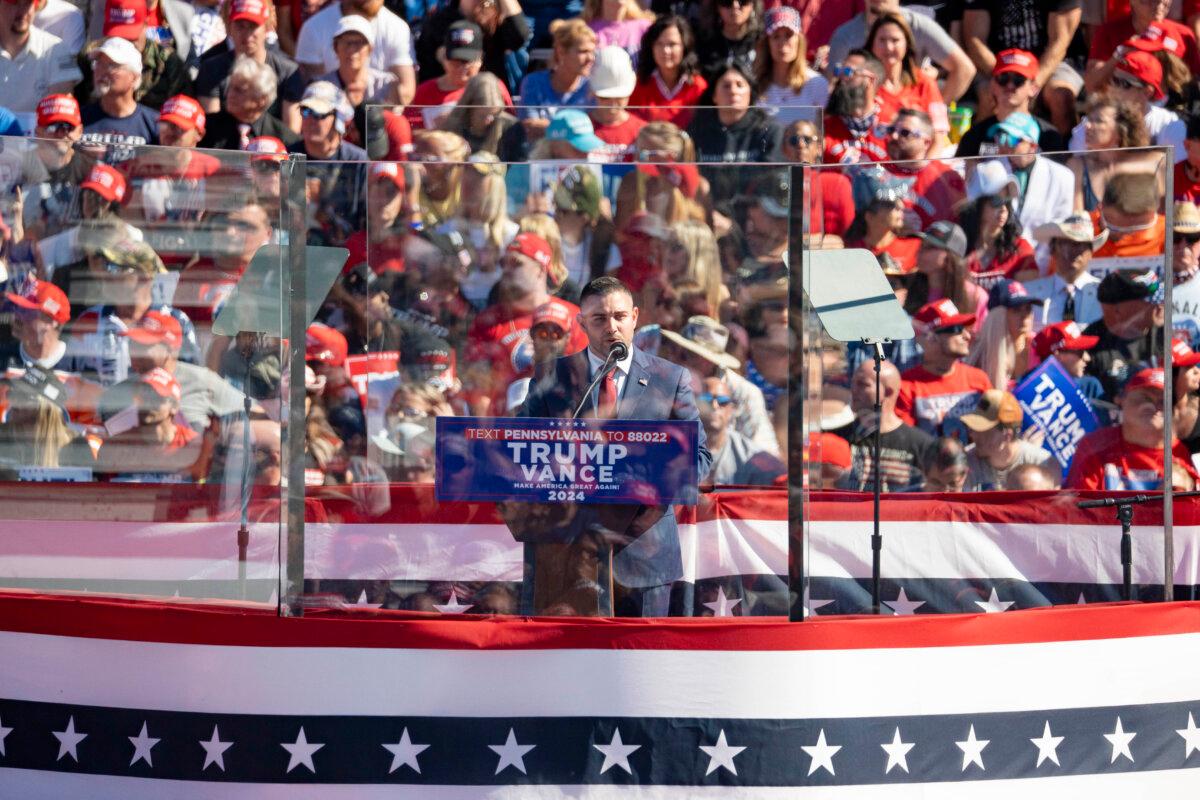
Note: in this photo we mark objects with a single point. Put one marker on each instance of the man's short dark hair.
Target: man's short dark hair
(602, 287)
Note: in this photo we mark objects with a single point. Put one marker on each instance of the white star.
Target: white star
(1047, 745)
(720, 754)
(1190, 734)
(972, 750)
(994, 605)
(1082, 601)
(68, 740)
(723, 606)
(143, 743)
(616, 753)
(301, 752)
(4, 732)
(214, 750)
(902, 606)
(452, 606)
(811, 605)
(511, 753)
(897, 752)
(1120, 739)
(821, 754)
(361, 602)
(405, 752)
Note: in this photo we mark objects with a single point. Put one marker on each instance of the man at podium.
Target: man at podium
(606, 559)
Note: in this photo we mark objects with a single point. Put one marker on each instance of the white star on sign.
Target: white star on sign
(452, 606)
(361, 602)
(1120, 739)
(616, 753)
(1047, 746)
(723, 606)
(301, 752)
(1190, 734)
(143, 743)
(720, 754)
(1082, 601)
(811, 605)
(4, 732)
(511, 753)
(68, 740)
(405, 752)
(972, 750)
(994, 605)
(902, 606)
(897, 752)
(214, 750)
(821, 754)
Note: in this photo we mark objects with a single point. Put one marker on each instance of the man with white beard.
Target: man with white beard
(116, 117)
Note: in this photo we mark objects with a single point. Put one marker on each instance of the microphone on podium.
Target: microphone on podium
(616, 352)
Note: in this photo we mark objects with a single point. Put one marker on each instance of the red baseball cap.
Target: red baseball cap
(58, 108)
(157, 327)
(1154, 38)
(1149, 378)
(267, 148)
(532, 246)
(942, 314)
(1022, 62)
(1143, 67)
(390, 171)
(107, 182)
(1182, 354)
(1061, 336)
(255, 11)
(552, 314)
(46, 298)
(684, 177)
(828, 448)
(184, 112)
(325, 344)
(163, 383)
(125, 18)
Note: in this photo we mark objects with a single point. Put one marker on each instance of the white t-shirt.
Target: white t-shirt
(1165, 128)
(393, 39)
(64, 20)
(785, 103)
(26, 77)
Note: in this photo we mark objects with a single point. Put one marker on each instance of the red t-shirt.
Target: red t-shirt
(399, 134)
(654, 102)
(431, 102)
(1117, 31)
(203, 288)
(618, 140)
(902, 249)
(924, 94)
(928, 400)
(1020, 260)
(1185, 187)
(383, 256)
(934, 191)
(831, 202)
(1104, 460)
(842, 147)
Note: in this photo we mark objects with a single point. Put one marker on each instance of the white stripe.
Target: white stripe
(37, 785)
(654, 683)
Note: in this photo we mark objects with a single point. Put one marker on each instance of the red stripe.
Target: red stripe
(130, 620)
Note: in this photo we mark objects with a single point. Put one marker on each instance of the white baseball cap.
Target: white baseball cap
(122, 52)
(612, 74)
(353, 23)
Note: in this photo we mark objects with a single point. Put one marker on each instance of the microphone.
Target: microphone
(618, 351)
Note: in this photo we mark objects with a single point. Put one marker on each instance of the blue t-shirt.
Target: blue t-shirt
(538, 98)
(8, 123)
(140, 127)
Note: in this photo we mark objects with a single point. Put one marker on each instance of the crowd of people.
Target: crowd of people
(481, 160)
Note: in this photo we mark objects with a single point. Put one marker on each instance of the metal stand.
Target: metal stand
(876, 536)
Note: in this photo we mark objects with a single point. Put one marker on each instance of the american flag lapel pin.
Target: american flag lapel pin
(643, 381)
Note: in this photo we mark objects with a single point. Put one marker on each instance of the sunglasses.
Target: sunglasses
(708, 398)
(59, 128)
(308, 113)
(118, 269)
(1187, 239)
(1010, 80)
(795, 140)
(951, 330)
(1124, 83)
(547, 333)
(1005, 139)
(732, 3)
(904, 133)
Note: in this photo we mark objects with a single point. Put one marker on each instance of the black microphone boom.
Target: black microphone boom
(618, 352)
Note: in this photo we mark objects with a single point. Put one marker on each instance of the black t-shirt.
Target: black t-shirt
(1020, 23)
(1115, 359)
(213, 78)
(140, 127)
(901, 453)
(979, 141)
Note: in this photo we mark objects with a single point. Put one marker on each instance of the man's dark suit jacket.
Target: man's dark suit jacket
(222, 131)
(654, 389)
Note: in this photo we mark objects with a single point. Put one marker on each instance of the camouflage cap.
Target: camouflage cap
(130, 253)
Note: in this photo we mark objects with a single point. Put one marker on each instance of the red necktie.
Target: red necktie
(607, 407)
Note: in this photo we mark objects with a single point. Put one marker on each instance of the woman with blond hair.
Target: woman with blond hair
(441, 155)
(483, 219)
(1004, 346)
(666, 183)
(618, 22)
(785, 80)
(480, 116)
(691, 256)
(565, 83)
(557, 279)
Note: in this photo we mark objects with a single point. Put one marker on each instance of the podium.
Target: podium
(591, 500)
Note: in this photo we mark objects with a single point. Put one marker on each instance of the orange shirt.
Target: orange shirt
(1148, 242)
(924, 94)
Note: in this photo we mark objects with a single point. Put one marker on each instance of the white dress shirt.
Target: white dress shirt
(619, 375)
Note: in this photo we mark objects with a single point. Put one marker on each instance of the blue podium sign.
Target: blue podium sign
(641, 462)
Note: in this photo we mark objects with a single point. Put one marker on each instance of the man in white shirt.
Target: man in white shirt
(1069, 294)
(33, 63)
(1185, 292)
(392, 50)
(62, 19)
(1138, 80)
